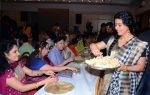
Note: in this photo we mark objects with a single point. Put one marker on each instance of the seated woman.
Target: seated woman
(56, 54)
(12, 73)
(80, 44)
(69, 49)
(72, 45)
(38, 62)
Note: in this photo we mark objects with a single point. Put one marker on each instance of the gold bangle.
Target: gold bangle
(125, 68)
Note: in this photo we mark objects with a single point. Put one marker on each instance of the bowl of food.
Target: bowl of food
(103, 63)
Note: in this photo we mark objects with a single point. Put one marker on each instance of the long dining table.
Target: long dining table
(84, 82)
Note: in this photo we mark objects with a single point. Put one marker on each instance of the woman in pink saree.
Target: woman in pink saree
(12, 72)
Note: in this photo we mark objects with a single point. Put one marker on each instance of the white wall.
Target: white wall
(96, 13)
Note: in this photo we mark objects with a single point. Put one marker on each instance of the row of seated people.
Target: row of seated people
(34, 66)
(63, 49)
(13, 73)
(39, 61)
(54, 59)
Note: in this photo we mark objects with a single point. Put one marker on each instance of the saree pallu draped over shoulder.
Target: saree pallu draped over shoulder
(125, 83)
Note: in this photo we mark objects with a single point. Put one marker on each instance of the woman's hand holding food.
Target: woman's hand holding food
(95, 50)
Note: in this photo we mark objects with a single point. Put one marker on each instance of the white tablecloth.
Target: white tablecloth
(84, 83)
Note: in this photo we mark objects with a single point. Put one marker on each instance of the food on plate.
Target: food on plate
(59, 87)
(103, 62)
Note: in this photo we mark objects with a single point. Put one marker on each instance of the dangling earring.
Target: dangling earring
(128, 31)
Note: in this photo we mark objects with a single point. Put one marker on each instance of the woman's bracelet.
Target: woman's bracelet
(125, 68)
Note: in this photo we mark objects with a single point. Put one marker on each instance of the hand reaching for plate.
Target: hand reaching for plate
(49, 72)
(95, 50)
(74, 69)
(50, 79)
(46, 81)
(70, 59)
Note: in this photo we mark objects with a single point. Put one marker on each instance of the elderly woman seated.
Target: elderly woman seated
(56, 54)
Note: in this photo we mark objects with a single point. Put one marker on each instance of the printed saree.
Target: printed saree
(125, 83)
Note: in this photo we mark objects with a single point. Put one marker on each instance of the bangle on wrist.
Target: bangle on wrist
(125, 68)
